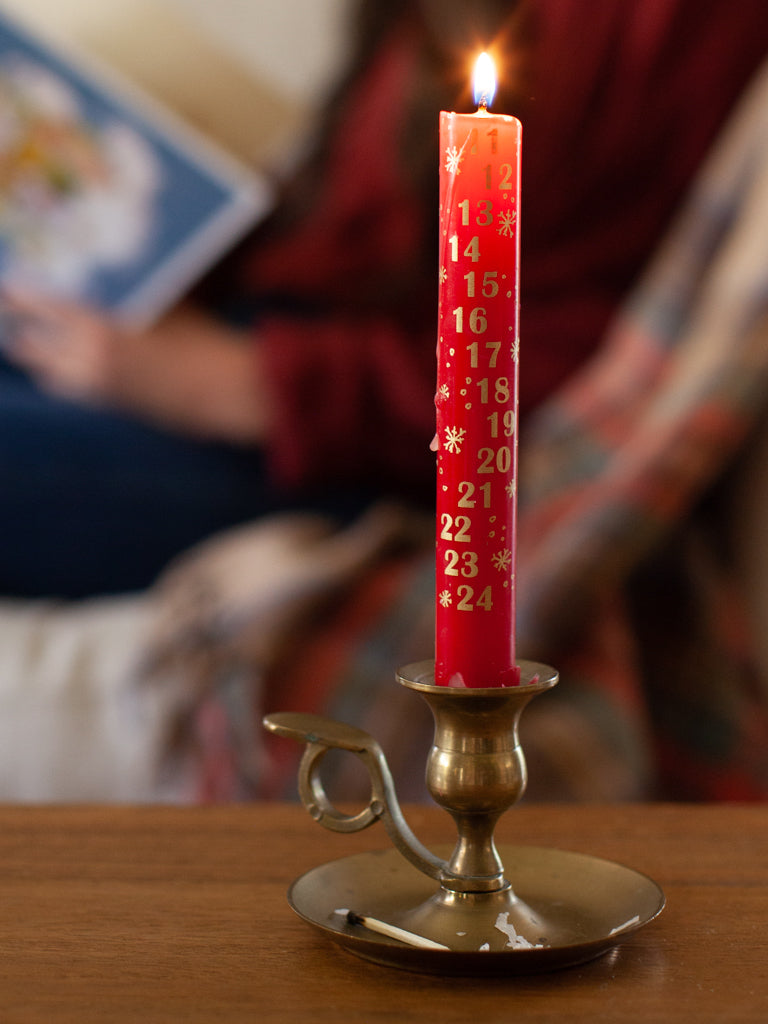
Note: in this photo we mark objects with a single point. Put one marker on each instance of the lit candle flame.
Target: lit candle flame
(484, 80)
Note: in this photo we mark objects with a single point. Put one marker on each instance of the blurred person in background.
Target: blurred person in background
(300, 374)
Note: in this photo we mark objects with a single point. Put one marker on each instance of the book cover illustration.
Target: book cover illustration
(105, 197)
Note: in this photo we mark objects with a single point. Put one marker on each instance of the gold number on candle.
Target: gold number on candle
(490, 284)
(467, 494)
(473, 350)
(506, 171)
(506, 179)
(508, 423)
(492, 461)
(500, 393)
(466, 593)
(469, 568)
(477, 320)
(472, 250)
(478, 323)
(462, 524)
(504, 459)
(483, 218)
(460, 565)
(493, 135)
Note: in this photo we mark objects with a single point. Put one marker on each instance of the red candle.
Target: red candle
(476, 400)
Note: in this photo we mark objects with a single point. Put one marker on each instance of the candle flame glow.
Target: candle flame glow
(484, 80)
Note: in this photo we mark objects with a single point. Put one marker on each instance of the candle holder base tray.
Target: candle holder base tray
(472, 909)
(579, 907)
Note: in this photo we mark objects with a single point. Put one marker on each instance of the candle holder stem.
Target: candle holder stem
(476, 768)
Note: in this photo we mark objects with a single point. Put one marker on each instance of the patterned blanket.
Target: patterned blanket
(629, 571)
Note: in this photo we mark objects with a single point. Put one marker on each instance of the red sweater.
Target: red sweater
(627, 99)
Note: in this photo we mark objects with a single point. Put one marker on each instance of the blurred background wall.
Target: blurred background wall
(249, 73)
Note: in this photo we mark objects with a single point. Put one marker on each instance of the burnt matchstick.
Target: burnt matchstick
(390, 930)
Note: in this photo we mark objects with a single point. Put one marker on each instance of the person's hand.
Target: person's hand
(69, 350)
(189, 372)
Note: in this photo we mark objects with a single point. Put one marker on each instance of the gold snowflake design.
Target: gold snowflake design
(454, 439)
(502, 560)
(507, 221)
(445, 598)
(453, 158)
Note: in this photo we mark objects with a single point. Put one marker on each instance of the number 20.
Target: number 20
(502, 459)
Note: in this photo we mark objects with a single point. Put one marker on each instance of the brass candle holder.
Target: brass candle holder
(475, 909)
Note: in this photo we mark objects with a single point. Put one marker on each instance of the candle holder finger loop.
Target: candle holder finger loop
(322, 735)
(315, 799)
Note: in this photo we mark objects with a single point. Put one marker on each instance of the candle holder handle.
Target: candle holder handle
(475, 770)
(321, 735)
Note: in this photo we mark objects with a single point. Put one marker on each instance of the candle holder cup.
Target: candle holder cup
(475, 908)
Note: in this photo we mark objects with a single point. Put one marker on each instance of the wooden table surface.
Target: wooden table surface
(165, 914)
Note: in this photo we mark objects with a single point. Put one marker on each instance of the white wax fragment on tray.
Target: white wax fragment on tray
(515, 941)
(627, 924)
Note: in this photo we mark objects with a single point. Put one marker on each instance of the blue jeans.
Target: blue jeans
(92, 502)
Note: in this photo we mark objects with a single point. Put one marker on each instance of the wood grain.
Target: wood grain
(164, 914)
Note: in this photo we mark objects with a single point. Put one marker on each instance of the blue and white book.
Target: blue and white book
(106, 197)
